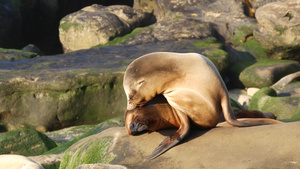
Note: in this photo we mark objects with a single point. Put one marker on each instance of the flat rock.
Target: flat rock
(82, 87)
(270, 146)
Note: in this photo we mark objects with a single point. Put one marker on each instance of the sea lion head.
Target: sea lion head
(138, 92)
(147, 77)
(136, 121)
(155, 114)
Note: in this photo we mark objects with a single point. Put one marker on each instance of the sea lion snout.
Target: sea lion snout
(136, 128)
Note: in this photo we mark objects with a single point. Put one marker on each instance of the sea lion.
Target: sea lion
(158, 114)
(191, 85)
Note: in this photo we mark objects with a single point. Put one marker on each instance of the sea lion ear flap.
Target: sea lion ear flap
(175, 138)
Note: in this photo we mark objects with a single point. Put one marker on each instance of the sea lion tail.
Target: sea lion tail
(245, 122)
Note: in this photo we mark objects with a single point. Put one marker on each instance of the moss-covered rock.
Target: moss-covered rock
(115, 122)
(62, 101)
(92, 151)
(284, 108)
(261, 72)
(97, 24)
(240, 33)
(115, 146)
(14, 54)
(25, 142)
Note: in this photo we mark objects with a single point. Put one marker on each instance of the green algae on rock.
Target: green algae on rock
(61, 101)
(131, 151)
(284, 108)
(14, 54)
(25, 142)
(262, 72)
(115, 122)
(88, 151)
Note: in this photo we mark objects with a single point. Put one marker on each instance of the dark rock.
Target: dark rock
(25, 142)
(11, 23)
(14, 54)
(32, 48)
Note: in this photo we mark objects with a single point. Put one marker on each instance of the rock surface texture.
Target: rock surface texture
(270, 146)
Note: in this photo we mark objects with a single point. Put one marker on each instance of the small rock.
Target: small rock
(252, 90)
(18, 162)
(241, 97)
(32, 48)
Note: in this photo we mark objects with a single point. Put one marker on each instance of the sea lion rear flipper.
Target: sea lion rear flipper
(175, 138)
(165, 145)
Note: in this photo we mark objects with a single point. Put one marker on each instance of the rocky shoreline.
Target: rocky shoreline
(44, 94)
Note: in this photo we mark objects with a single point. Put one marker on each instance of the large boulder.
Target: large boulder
(261, 72)
(36, 21)
(227, 16)
(270, 146)
(96, 24)
(25, 142)
(54, 100)
(278, 28)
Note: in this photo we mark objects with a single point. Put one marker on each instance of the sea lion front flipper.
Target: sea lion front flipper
(175, 138)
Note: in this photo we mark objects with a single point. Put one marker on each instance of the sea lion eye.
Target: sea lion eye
(141, 82)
